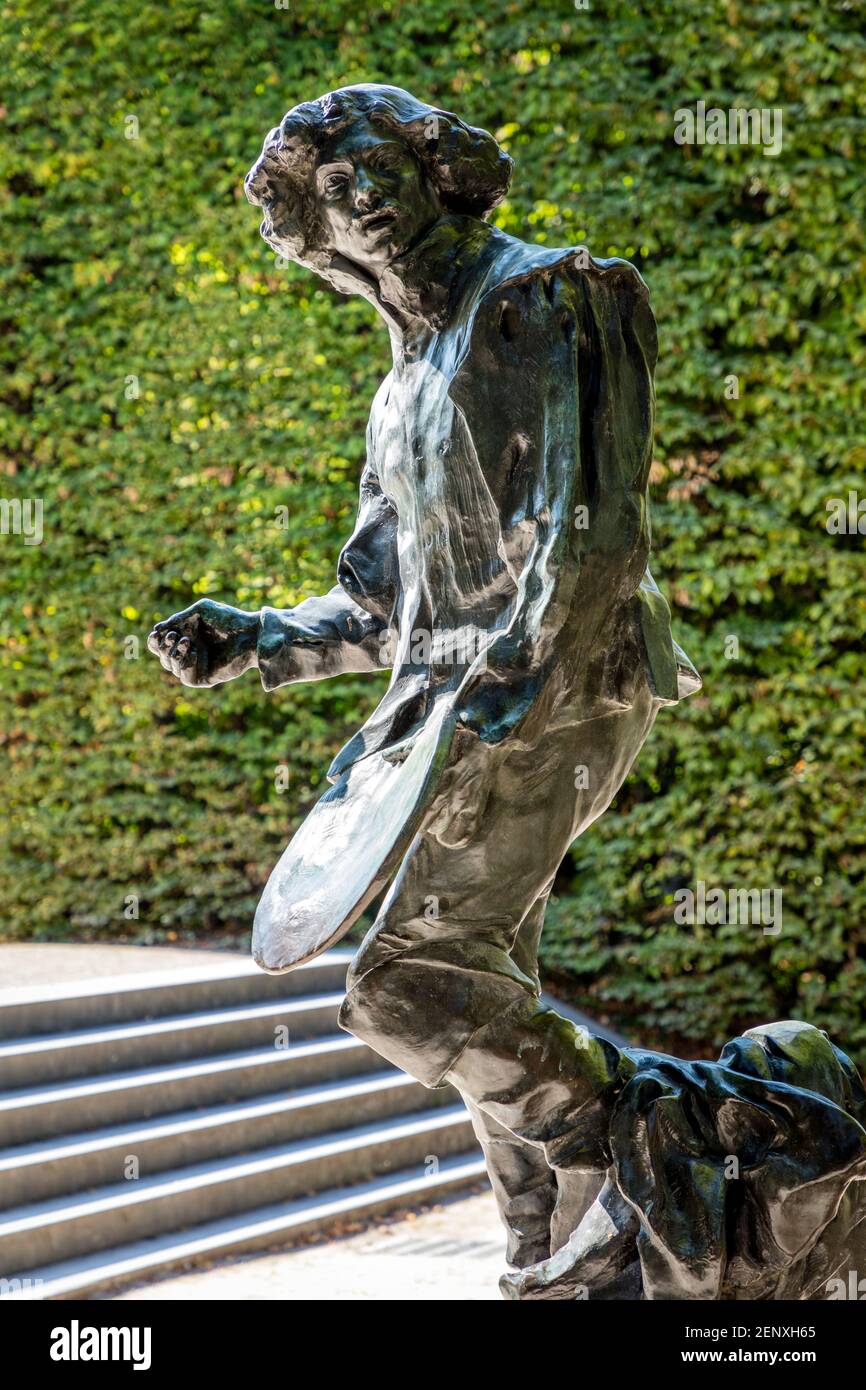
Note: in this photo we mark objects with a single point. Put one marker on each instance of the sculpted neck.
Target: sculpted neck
(420, 288)
(418, 292)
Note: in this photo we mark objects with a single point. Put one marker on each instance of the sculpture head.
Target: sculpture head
(356, 178)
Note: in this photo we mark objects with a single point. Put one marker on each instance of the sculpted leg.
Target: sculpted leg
(440, 986)
(523, 1182)
(524, 1187)
(572, 1192)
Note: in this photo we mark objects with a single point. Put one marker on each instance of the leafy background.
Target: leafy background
(139, 258)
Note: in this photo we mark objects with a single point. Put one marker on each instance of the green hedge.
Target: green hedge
(136, 261)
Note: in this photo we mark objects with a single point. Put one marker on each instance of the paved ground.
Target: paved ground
(451, 1252)
(44, 963)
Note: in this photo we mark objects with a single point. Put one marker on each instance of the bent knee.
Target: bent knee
(420, 1007)
(376, 1010)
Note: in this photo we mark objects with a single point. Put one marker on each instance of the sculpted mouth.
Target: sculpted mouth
(374, 221)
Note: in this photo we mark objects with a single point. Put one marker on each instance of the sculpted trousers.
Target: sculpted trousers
(445, 983)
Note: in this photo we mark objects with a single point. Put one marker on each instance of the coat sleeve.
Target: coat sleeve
(557, 390)
(348, 629)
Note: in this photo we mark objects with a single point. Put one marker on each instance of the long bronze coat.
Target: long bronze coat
(499, 560)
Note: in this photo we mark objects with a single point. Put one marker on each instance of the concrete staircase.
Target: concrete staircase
(149, 1121)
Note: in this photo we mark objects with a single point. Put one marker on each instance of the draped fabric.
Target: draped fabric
(499, 558)
(738, 1179)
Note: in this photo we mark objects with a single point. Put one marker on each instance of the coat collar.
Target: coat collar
(421, 288)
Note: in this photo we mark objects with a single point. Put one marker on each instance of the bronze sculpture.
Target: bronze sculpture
(499, 566)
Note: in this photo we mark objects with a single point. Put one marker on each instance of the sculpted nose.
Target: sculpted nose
(367, 195)
(255, 184)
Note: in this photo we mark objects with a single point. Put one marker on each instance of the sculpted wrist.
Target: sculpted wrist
(250, 640)
(273, 652)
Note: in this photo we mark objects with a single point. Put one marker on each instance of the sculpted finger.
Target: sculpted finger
(153, 642)
(180, 649)
(188, 668)
(167, 642)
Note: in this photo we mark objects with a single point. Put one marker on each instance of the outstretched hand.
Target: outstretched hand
(206, 643)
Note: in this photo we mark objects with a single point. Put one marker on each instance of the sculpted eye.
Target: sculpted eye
(387, 157)
(335, 184)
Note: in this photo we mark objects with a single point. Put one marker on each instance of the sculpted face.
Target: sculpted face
(372, 197)
(359, 176)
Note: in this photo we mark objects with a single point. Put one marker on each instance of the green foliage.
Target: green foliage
(136, 261)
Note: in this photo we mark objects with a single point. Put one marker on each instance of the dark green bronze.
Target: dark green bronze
(498, 566)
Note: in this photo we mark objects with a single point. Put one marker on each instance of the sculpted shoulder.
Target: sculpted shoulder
(524, 262)
(532, 291)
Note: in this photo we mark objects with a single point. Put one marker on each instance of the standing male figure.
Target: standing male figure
(499, 562)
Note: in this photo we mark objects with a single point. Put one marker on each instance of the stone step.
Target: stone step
(27, 1011)
(33, 1172)
(69, 1107)
(261, 1227)
(64, 1228)
(58, 1056)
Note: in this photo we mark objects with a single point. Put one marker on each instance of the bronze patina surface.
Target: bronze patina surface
(499, 567)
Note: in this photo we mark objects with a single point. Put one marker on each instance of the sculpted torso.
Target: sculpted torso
(456, 583)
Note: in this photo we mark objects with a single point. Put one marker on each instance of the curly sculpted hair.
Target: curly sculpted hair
(469, 170)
